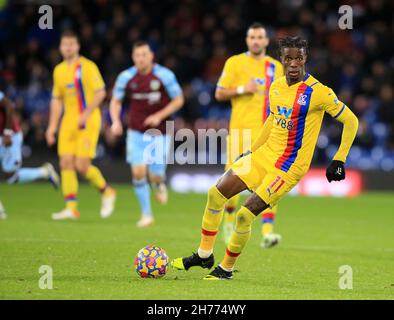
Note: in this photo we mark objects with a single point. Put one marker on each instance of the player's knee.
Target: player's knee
(67, 164)
(154, 178)
(230, 184)
(211, 192)
(139, 173)
(244, 220)
(82, 167)
(215, 197)
(232, 204)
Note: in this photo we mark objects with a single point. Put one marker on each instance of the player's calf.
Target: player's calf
(229, 218)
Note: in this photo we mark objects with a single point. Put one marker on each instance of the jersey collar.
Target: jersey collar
(247, 53)
(306, 77)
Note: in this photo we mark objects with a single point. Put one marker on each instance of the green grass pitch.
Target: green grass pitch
(93, 258)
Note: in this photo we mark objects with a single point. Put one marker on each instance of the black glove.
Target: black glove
(243, 155)
(335, 171)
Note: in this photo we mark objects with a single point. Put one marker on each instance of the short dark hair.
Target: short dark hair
(256, 25)
(293, 42)
(69, 34)
(140, 43)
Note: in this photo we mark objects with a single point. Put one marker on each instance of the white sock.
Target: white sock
(45, 172)
(226, 269)
(2, 210)
(204, 253)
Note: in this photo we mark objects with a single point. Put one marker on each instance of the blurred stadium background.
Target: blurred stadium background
(194, 38)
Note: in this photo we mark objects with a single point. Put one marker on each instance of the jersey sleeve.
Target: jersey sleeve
(331, 103)
(57, 91)
(119, 90)
(228, 75)
(171, 84)
(339, 111)
(94, 80)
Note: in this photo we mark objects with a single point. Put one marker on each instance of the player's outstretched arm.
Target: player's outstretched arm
(336, 170)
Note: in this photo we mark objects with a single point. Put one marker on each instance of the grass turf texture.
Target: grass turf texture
(93, 258)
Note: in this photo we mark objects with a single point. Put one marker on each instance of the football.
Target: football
(151, 262)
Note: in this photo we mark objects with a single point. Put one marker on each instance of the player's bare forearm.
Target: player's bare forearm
(115, 108)
(174, 105)
(264, 134)
(225, 94)
(349, 131)
(55, 114)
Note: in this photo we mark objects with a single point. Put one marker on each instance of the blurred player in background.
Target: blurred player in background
(80, 89)
(153, 95)
(279, 157)
(245, 81)
(11, 140)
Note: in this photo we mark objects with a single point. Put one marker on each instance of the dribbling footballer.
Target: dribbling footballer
(279, 158)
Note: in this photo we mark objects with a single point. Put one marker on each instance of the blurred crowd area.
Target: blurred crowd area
(194, 38)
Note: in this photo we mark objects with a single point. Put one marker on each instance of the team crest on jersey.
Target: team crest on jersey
(155, 85)
(134, 85)
(302, 99)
